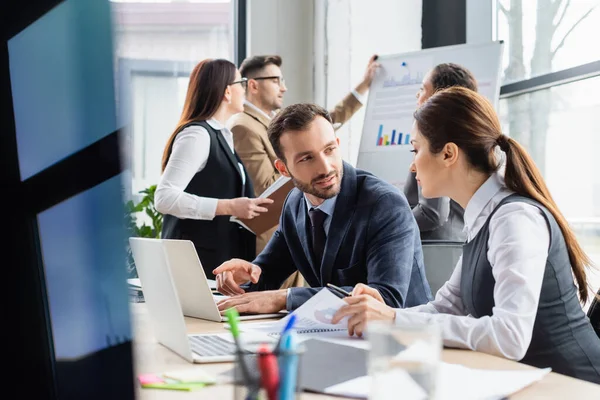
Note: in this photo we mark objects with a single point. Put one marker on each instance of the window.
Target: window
(549, 103)
(543, 36)
(157, 44)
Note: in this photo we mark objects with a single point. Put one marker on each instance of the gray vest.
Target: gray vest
(563, 337)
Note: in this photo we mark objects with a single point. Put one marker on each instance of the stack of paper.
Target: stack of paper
(187, 379)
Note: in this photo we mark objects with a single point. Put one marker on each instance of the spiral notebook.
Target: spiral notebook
(313, 317)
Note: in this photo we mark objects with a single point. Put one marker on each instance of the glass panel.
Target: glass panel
(559, 127)
(542, 36)
(157, 44)
(82, 241)
(63, 105)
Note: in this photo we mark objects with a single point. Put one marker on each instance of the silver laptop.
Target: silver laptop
(193, 288)
(162, 300)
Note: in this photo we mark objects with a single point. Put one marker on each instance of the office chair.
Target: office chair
(594, 314)
(440, 258)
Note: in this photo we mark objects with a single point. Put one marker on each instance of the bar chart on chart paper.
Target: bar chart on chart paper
(393, 138)
(388, 127)
(387, 131)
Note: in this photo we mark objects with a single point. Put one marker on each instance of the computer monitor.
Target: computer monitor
(69, 330)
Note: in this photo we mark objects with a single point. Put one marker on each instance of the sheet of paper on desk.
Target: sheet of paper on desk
(313, 317)
(456, 382)
(395, 379)
(468, 383)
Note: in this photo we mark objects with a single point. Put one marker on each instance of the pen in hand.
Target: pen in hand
(339, 291)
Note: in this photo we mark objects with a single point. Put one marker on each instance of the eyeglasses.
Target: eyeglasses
(243, 82)
(279, 79)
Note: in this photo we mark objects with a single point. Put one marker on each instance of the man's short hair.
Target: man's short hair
(251, 66)
(449, 74)
(296, 117)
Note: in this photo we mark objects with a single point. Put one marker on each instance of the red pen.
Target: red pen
(269, 371)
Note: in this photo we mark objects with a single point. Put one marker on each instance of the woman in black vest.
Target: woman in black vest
(518, 287)
(203, 181)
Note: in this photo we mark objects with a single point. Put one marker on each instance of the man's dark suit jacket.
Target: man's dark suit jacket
(373, 239)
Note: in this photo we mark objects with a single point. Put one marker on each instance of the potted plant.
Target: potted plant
(135, 229)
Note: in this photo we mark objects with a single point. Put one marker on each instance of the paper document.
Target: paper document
(394, 379)
(455, 382)
(465, 383)
(313, 317)
(278, 192)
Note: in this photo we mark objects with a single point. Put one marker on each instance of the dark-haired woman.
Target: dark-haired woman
(438, 218)
(518, 287)
(203, 181)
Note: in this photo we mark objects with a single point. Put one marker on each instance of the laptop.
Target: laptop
(162, 301)
(192, 286)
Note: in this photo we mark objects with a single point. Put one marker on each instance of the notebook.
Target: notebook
(312, 318)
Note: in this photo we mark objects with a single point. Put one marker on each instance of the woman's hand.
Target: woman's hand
(362, 309)
(242, 207)
(361, 288)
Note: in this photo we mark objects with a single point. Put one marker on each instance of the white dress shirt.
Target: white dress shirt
(517, 251)
(189, 156)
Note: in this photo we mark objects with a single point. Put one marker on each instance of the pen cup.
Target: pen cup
(258, 382)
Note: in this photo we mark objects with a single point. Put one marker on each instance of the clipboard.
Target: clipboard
(278, 192)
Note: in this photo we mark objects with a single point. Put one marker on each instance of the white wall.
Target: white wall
(285, 27)
(480, 21)
(325, 45)
(356, 29)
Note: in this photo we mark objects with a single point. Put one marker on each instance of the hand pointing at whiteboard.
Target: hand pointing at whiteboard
(372, 67)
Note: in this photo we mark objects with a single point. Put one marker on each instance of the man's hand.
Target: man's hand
(231, 274)
(362, 309)
(369, 75)
(270, 301)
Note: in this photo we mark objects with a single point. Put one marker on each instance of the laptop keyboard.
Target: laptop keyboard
(211, 345)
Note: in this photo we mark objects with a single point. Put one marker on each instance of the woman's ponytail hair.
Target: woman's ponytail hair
(467, 119)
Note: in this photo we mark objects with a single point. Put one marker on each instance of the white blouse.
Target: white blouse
(517, 251)
(189, 156)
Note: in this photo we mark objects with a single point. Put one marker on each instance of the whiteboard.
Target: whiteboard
(385, 143)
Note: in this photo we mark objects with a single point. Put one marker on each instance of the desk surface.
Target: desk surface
(151, 357)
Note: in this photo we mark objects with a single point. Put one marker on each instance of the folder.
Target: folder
(278, 192)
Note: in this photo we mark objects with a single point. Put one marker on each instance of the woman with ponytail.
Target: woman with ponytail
(518, 287)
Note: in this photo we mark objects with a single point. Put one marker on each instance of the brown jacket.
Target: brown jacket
(252, 145)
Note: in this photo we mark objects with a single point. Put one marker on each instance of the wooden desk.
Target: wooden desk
(151, 357)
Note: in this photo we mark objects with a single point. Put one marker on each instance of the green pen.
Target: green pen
(233, 317)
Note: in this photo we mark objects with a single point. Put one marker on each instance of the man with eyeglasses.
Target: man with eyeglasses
(264, 97)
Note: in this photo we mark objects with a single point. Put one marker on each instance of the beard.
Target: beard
(324, 193)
